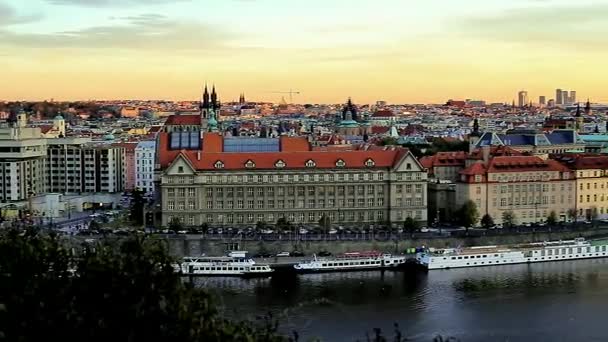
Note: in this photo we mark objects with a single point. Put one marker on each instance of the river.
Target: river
(560, 301)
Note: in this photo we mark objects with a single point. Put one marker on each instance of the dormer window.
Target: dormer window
(310, 163)
(280, 164)
(370, 162)
(250, 164)
(340, 163)
(180, 169)
(218, 164)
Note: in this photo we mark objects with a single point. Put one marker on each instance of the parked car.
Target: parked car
(303, 231)
(283, 254)
(333, 231)
(297, 253)
(324, 254)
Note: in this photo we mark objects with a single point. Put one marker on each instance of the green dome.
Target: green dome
(108, 137)
(349, 123)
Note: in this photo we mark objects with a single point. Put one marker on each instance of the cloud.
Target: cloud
(8, 16)
(143, 32)
(564, 27)
(111, 3)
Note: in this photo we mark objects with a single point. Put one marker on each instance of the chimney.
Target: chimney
(198, 155)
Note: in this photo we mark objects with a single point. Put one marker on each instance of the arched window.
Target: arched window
(218, 164)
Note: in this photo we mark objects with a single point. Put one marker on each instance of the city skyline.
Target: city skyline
(105, 49)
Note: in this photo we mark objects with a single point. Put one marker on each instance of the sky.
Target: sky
(401, 51)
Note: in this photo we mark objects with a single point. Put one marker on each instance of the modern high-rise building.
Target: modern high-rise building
(558, 97)
(551, 103)
(542, 101)
(522, 98)
(565, 97)
(572, 98)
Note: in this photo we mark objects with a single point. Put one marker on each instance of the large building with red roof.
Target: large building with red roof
(207, 178)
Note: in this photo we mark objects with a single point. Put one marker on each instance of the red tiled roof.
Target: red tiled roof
(292, 154)
(380, 129)
(584, 162)
(128, 146)
(293, 144)
(183, 120)
(474, 169)
(383, 113)
(524, 164)
(45, 128)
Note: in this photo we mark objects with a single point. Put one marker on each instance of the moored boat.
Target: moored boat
(575, 249)
(353, 261)
(223, 266)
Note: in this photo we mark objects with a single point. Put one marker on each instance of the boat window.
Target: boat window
(542, 253)
(466, 257)
(453, 258)
(603, 248)
(479, 256)
(578, 250)
(323, 265)
(550, 252)
(485, 256)
(459, 258)
(588, 249)
(496, 255)
(569, 250)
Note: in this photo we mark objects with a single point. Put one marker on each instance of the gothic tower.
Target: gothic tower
(204, 107)
(579, 118)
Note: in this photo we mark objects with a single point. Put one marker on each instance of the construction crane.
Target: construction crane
(290, 92)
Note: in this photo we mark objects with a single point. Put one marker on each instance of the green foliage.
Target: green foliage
(324, 222)
(552, 218)
(121, 291)
(136, 214)
(176, 224)
(467, 214)
(487, 221)
(94, 225)
(410, 225)
(509, 219)
(283, 224)
(388, 141)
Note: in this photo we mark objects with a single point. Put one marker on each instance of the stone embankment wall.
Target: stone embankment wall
(194, 246)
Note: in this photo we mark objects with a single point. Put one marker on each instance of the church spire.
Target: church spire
(588, 107)
(214, 98)
(205, 103)
(578, 110)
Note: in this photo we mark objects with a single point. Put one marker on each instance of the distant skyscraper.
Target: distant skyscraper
(542, 101)
(572, 96)
(523, 98)
(558, 97)
(551, 103)
(565, 97)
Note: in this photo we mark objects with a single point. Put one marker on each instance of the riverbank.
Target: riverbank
(192, 245)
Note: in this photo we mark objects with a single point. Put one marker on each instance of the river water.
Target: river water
(560, 301)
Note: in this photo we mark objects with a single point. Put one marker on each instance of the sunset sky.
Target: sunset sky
(416, 51)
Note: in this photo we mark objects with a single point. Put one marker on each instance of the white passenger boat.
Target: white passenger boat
(525, 253)
(353, 261)
(222, 266)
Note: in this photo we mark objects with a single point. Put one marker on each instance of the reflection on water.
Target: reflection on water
(561, 301)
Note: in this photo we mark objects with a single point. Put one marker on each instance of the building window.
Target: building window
(310, 163)
(250, 164)
(260, 191)
(191, 205)
(191, 192)
(170, 205)
(218, 164)
(477, 178)
(170, 192)
(279, 164)
(370, 162)
(249, 204)
(340, 163)
(239, 204)
(209, 204)
(181, 192)
(260, 204)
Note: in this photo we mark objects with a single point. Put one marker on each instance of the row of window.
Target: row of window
(280, 204)
(282, 191)
(351, 216)
(581, 198)
(317, 177)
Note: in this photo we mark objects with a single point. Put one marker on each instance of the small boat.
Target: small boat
(353, 261)
(505, 255)
(222, 266)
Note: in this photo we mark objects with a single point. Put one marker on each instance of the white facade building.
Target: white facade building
(144, 166)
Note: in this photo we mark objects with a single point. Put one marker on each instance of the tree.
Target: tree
(94, 225)
(572, 215)
(259, 226)
(468, 214)
(552, 218)
(176, 224)
(592, 215)
(509, 219)
(487, 221)
(410, 225)
(124, 290)
(283, 224)
(136, 210)
(324, 222)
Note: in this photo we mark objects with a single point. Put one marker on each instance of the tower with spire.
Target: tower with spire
(209, 103)
(588, 108)
(578, 118)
